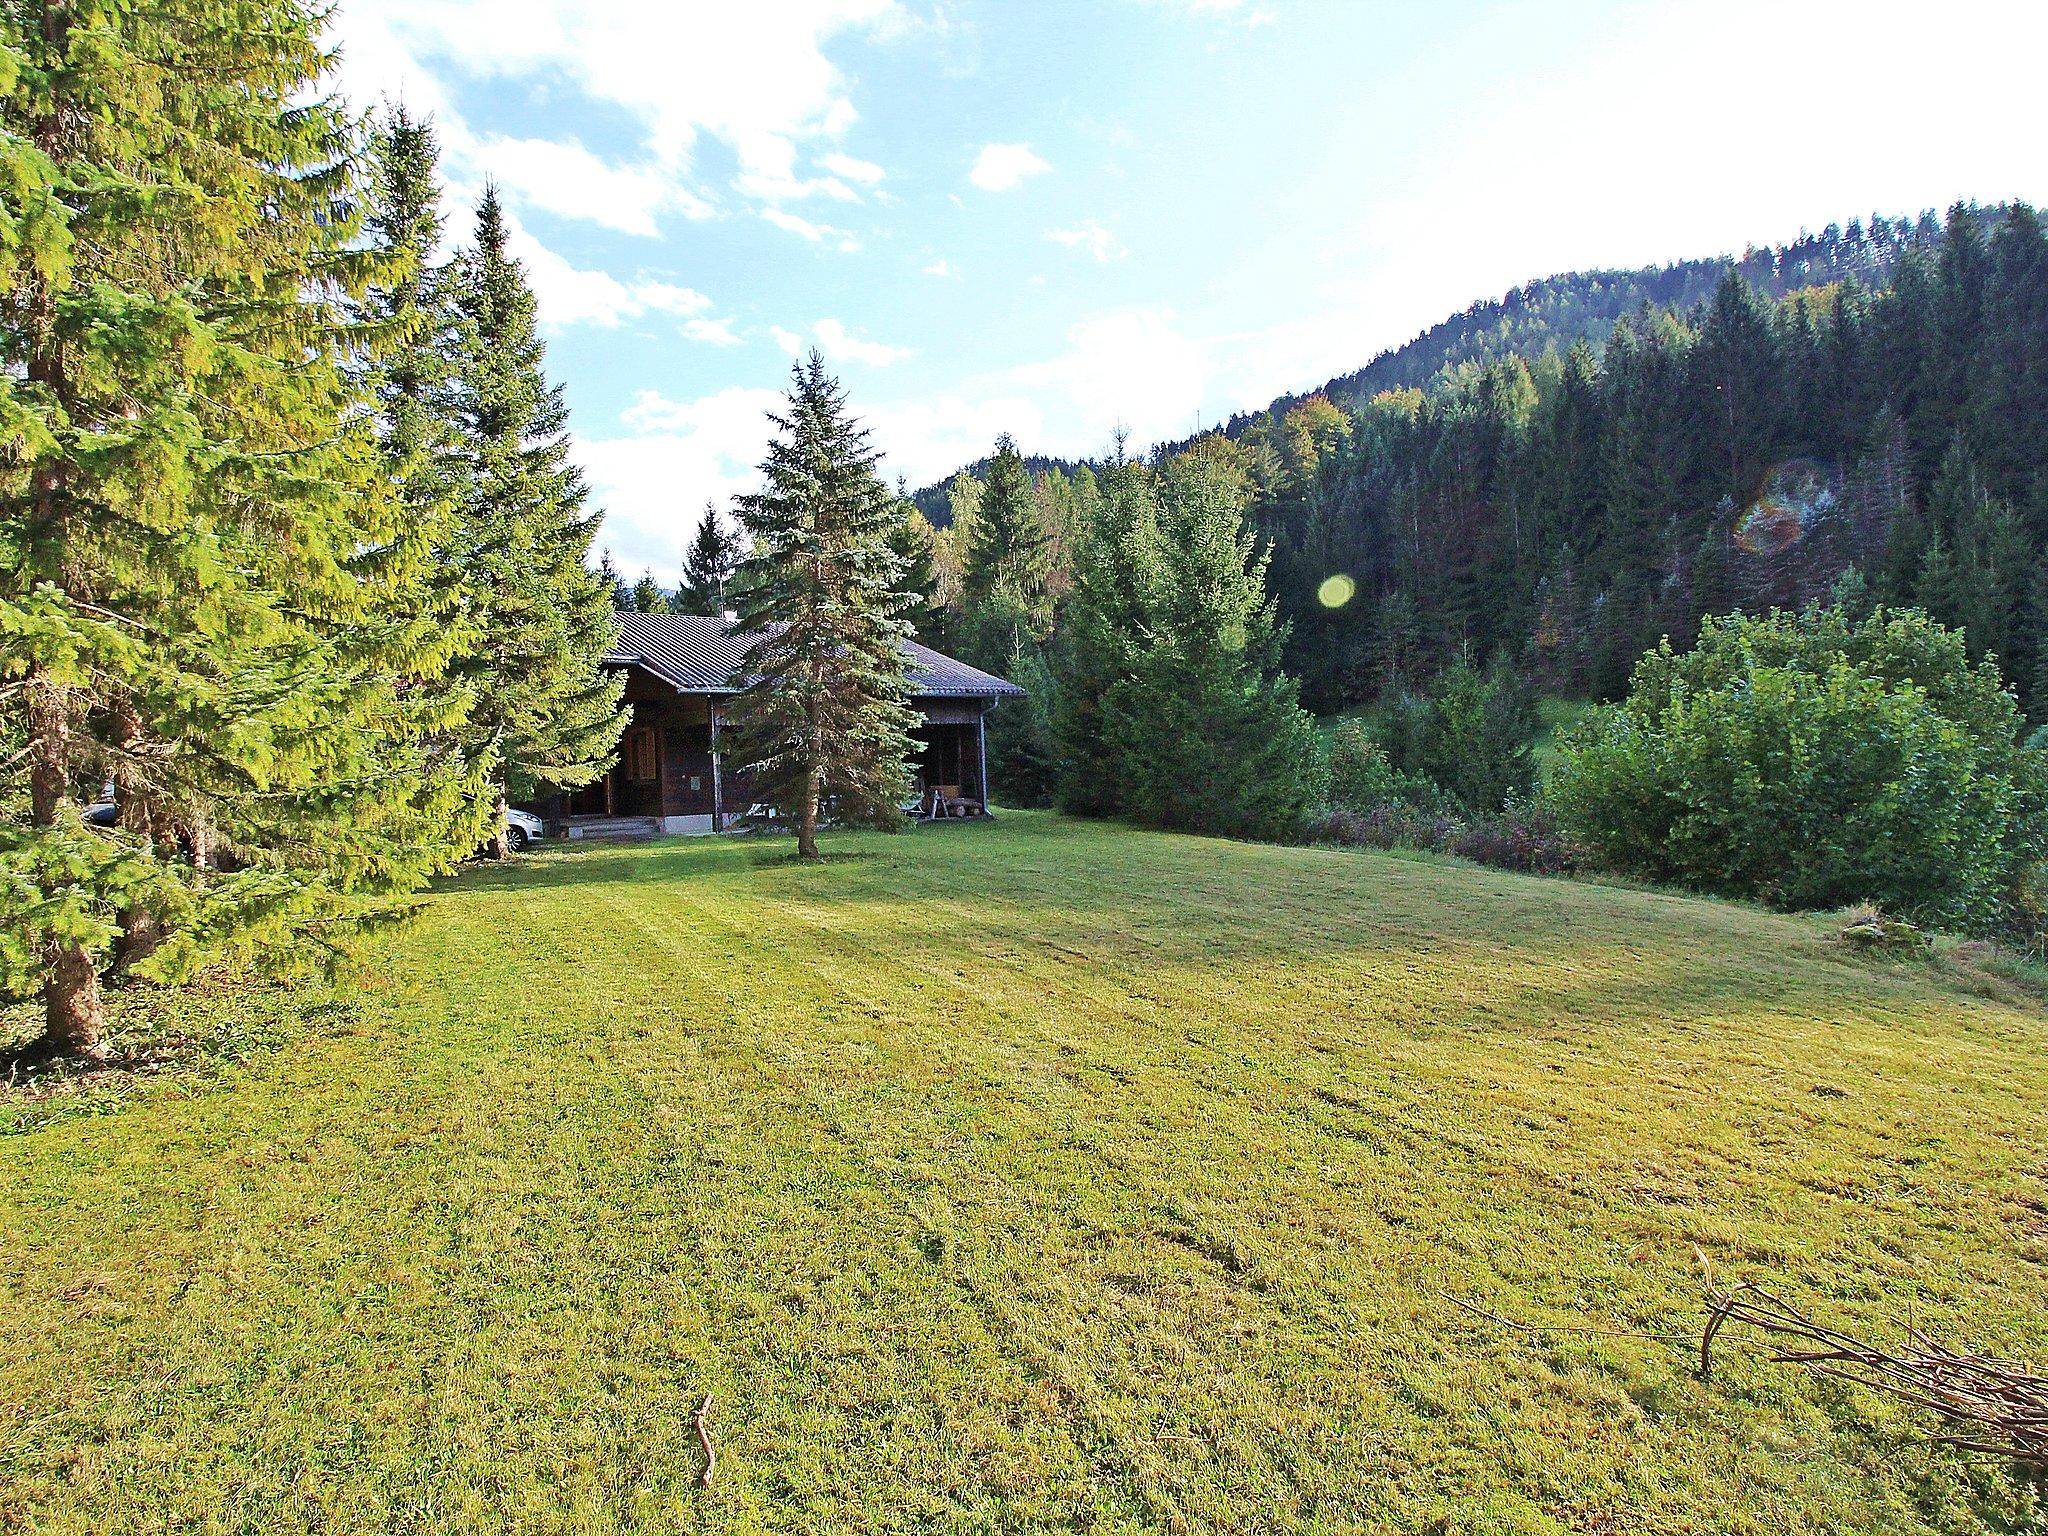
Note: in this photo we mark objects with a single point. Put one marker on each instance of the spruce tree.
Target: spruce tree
(211, 597)
(1204, 731)
(1008, 546)
(708, 567)
(649, 596)
(408, 371)
(912, 537)
(608, 577)
(821, 723)
(1092, 652)
(543, 702)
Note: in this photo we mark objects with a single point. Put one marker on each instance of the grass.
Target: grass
(1553, 717)
(1030, 1177)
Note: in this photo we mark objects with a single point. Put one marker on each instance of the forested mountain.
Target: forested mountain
(1552, 312)
(1566, 475)
(1745, 451)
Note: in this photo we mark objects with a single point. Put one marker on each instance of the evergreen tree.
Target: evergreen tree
(608, 577)
(543, 699)
(1092, 651)
(411, 376)
(1175, 706)
(708, 567)
(213, 599)
(822, 722)
(1008, 546)
(913, 540)
(1023, 760)
(649, 596)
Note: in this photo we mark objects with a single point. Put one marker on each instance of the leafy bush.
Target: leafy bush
(1364, 779)
(1469, 735)
(1523, 837)
(1813, 760)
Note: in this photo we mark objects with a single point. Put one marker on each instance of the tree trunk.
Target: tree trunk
(74, 1018)
(500, 844)
(141, 933)
(141, 929)
(807, 823)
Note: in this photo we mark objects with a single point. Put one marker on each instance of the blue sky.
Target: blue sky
(1053, 217)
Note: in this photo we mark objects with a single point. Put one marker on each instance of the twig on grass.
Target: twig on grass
(1995, 1407)
(704, 1439)
(1536, 1330)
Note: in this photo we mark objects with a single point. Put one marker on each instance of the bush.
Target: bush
(1469, 735)
(1523, 837)
(1811, 760)
(1363, 778)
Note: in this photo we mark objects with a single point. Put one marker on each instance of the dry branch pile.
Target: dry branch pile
(1996, 1407)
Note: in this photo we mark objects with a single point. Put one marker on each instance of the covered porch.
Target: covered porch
(669, 777)
(951, 765)
(665, 778)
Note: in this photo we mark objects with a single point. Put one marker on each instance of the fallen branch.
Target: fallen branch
(704, 1439)
(1994, 1407)
(1537, 1330)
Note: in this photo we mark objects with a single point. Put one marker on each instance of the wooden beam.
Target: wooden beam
(981, 752)
(717, 789)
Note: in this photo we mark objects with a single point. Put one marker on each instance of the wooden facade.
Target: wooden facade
(669, 770)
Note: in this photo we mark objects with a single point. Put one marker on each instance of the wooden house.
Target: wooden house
(670, 775)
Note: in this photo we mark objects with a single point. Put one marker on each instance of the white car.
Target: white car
(522, 829)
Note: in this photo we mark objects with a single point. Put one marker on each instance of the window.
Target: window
(640, 763)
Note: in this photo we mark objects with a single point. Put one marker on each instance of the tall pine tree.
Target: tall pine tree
(1008, 546)
(708, 567)
(210, 597)
(821, 723)
(543, 703)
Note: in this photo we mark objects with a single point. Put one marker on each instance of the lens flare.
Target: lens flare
(1336, 590)
(1794, 496)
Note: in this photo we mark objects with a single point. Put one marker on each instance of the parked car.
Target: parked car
(523, 829)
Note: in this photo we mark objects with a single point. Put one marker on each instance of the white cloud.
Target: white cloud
(571, 295)
(941, 268)
(923, 440)
(999, 167)
(789, 341)
(837, 343)
(796, 224)
(719, 333)
(569, 180)
(1133, 368)
(679, 454)
(866, 172)
(1090, 237)
(755, 78)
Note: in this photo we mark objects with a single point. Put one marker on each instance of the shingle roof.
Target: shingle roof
(700, 655)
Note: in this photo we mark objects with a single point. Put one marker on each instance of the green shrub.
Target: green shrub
(1811, 760)
(1362, 777)
(1469, 735)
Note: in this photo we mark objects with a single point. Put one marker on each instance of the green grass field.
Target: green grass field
(1027, 1177)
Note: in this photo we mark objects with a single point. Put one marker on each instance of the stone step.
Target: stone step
(615, 826)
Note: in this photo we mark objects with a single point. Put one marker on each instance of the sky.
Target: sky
(1058, 218)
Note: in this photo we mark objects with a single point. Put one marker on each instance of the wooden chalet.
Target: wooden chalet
(680, 671)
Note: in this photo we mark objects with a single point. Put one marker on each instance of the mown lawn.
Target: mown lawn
(1029, 1177)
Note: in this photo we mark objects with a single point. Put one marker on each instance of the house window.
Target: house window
(640, 753)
